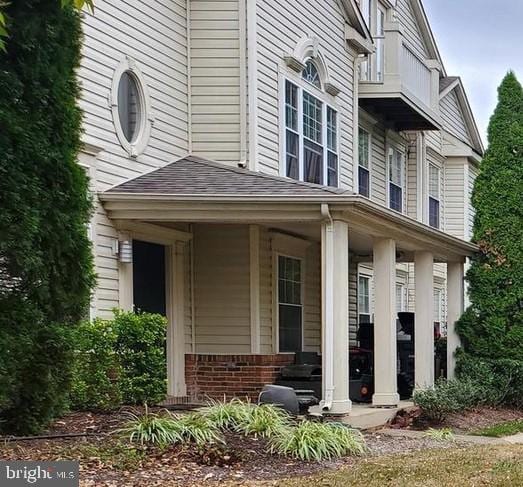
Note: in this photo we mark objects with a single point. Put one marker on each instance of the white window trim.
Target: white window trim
(276, 301)
(365, 127)
(369, 277)
(438, 199)
(138, 145)
(401, 148)
(286, 74)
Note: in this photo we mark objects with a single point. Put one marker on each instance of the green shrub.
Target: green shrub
(46, 271)
(96, 370)
(491, 330)
(140, 347)
(449, 397)
(119, 361)
(318, 441)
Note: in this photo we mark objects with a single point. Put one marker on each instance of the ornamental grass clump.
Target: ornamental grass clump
(264, 421)
(318, 441)
(228, 415)
(168, 429)
(153, 429)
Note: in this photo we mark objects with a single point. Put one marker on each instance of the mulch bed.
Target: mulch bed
(105, 460)
(464, 422)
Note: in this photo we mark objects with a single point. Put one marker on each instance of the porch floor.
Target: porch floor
(364, 416)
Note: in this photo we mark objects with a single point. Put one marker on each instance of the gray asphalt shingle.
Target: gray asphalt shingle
(195, 176)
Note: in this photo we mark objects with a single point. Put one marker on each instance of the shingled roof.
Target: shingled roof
(195, 176)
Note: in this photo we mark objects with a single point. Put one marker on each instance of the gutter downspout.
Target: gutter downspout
(252, 79)
(328, 349)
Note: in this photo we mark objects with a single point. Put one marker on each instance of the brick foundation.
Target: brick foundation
(242, 376)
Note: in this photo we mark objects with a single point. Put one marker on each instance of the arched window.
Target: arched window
(311, 74)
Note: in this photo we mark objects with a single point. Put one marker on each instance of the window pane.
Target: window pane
(396, 167)
(364, 148)
(434, 182)
(363, 295)
(364, 318)
(291, 106)
(292, 149)
(312, 118)
(290, 328)
(129, 106)
(310, 74)
(364, 181)
(332, 169)
(396, 197)
(332, 130)
(433, 212)
(313, 158)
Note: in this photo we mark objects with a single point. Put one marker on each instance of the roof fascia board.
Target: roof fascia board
(355, 17)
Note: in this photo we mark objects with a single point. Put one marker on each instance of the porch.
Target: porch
(258, 267)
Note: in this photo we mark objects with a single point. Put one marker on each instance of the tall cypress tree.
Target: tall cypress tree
(492, 328)
(45, 256)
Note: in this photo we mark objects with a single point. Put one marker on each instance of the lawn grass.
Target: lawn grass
(500, 466)
(502, 429)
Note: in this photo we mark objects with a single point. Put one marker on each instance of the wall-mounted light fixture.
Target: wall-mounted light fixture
(124, 250)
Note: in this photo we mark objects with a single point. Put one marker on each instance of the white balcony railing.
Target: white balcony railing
(416, 76)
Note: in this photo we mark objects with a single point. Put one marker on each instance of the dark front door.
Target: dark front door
(149, 277)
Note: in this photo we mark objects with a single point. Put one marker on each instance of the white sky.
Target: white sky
(479, 40)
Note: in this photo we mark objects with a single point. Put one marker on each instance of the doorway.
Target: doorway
(149, 277)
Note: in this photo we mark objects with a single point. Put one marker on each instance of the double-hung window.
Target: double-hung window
(364, 161)
(311, 132)
(364, 314)
(434, 196)
(290, 304)
(396, 179)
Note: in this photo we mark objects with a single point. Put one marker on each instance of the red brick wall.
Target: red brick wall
(241, 376)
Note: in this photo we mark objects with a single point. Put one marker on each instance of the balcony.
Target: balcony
(399, 85)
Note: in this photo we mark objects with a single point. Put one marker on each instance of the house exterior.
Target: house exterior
(270, 174)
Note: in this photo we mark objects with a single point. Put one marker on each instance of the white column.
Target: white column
(335, 251)
(175, 274)
(254, 254)
(455, 301)
(385, 330)
(424, 321)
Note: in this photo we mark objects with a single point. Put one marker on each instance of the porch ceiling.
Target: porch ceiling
(182, 193)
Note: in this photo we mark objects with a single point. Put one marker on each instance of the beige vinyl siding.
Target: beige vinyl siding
(222, 296)
(280, 26)
(266, 280)
(410, 28)
(472, 175)
(154, 35)
(312, 304)
(455, 195)
(453, 119)
(215, 80)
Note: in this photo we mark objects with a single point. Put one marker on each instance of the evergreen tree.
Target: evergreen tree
(492, 328)
(45, 255)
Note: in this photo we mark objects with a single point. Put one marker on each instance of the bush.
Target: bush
(265, 421)
(228, 415)
(449, 397)
(318, 441)
(46, 271)
(121, 361)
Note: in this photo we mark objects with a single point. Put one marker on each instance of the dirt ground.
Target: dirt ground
(107, 459)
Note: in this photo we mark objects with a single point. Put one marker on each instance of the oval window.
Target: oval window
(129, 106)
